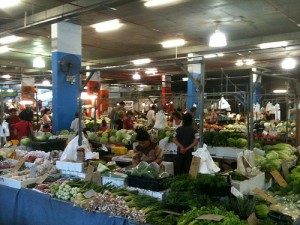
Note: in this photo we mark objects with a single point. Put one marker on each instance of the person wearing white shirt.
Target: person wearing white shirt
(151, 116)
(75, 124)
(177, 119)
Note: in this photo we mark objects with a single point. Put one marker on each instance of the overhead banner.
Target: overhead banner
(27, 89)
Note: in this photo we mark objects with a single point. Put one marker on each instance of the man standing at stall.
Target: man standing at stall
(114, 114)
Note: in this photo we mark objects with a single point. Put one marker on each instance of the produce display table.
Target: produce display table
(28, 207)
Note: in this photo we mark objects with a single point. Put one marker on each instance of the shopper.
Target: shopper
(119, 122)
(128, 122)
(177, 119)
(151, 116)
(146, 150)
(186, 138)
(23, 128)
(75, 124)
(46, 121)
(114, 114)
(27, 114)
(103, 126)
(12, 120)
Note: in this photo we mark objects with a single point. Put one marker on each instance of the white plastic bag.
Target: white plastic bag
(163, 143)
(70, 152)
(160, 121)
(207, 165)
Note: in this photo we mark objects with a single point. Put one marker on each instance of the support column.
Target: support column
(166, 94)
(193, 93)
(257, 89)
(104, 98)
(93, 87)
(66, 40)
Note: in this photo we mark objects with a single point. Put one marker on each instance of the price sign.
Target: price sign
(194, 169)
(211, 217)
(89, 193)
(173, 213)
(279, 179)
(42, 178)
(252, 220)
(262, 194)
(89, 173)
(19, 164)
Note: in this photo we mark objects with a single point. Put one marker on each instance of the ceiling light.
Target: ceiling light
(46, 83)
(6, 76)
(141, 61)
(249, 62)
(210, 56)
(151, 71)
(173, 43)
(10, 90)
(217, 39)
(4, 49)
(38, 63)
(9, 39)
(6, 3)
(279, 91)
(185, 79)
(239, 63)
(288, 64)
(273, 44)
(220, 54)
(136, 76)
(107, 25)
(152, 3)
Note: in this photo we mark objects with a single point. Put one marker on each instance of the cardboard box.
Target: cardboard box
(246, 186)
(168, 167)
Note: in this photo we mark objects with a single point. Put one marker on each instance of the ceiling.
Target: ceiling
(247, 24)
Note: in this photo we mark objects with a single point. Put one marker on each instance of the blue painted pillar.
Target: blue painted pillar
(195, 71)
(66, 40)
(257, 90)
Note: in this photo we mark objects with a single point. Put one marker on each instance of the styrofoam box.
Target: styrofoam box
(153, 194)
(70, 166)
(73, 173)
(212, 150)
(171, 147)
(16, 183)
(228, 151)
(247, 186)
(116, 181)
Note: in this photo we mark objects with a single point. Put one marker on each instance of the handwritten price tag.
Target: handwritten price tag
(42, 178)
(89, 173)
(262, 194)
(279, 179)
(19, 164)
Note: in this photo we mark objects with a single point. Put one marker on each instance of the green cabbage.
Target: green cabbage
(25, 141)
(92, 136)
(112, 139)
(272, 155)
(104, 140)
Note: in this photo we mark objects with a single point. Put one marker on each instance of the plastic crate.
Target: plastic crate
(146, 183)
(49, 145)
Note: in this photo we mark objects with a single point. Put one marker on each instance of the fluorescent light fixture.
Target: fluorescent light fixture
(288, 64)
(141, 61)
(217, 39)
(107, 25)
(38, 62)
(185, 79)
(46, 83)
(4, 49)
(136, 76)
(173, 43)
(220, 54)
(26, 102)
(249, 62)
(153, 3)
(10, 90)
(239, 63)
(210, 56)
(9, 39)
(151, 71)
(279, 91)
(8, 3)
(6, 76)
(273, 44)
